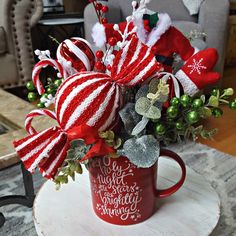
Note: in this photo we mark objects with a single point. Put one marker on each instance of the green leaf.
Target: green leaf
(142, 106)
(77, 143)
(205, 112)
(153, 86)
(213, 101)
(203, 98)
(153, 113)
(79, 169)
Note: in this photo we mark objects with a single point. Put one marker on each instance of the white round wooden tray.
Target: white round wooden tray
(193, 210)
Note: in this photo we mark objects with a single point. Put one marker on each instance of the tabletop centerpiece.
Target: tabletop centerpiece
(119, 107)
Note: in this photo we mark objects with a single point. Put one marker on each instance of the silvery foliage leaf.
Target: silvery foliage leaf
(140, 126)
(78, 149)
(153, 86)
(144, 107)
(129, 117)
(142, 92)
(142, 152)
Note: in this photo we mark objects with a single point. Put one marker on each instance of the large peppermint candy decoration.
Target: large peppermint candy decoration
(87, 98)
(76, 55)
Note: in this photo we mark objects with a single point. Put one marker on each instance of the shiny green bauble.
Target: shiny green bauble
(45, 95)
(179, 125)
(215, 92)
(58, 82)
(40, 105)
(192, 117)
(232, 105)
(30, 86)
(32, 96)
(160, 129)
(172, 112)
(197, 103)
(50, 90)
(217, 112)
(185, 100)
(175, 101)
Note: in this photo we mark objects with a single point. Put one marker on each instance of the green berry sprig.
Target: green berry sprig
(183, 117)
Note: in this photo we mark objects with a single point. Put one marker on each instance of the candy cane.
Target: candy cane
(42, 64)
(34, 113)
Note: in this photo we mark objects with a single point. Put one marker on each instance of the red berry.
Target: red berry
(105, 9)
(99, 65)
(99, 54)
(114, 52)
(109, 67)
(91, 0)
(112, 41)
(104, 20)
(98, 6)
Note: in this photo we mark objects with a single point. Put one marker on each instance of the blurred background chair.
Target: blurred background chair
(211, 20)
(16, 54)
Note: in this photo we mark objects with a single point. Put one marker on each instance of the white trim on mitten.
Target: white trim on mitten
(99, 35)
(189, 87)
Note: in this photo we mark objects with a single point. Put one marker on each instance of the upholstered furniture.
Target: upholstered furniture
(212, 20)
(17, 17)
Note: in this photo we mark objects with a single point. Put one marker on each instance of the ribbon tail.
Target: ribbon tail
(50, 166)
(35, 149)
(99, 149)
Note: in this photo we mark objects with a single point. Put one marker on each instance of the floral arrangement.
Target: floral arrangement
(124, 100)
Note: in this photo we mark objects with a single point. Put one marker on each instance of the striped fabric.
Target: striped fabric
(78, 52)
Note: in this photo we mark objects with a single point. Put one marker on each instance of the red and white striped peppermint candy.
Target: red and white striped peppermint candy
(90, 98)
(37, 112)
(38, 68)
(76, 54)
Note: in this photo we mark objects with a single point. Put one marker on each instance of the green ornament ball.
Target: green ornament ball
(30, 86)
(45, 95)
(179, 125)
(185, 100)
(217, 112)
(192, 117)
(175, 101)
(160, 129)
(32, 96)
(197, 103)
(40, 105)
(232, 105)
(57, 82)
(50, 90)
(172, 112)
(214, 92)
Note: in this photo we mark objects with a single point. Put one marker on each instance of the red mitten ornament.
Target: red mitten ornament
(76, 55)
(197, 73)
(85, 102)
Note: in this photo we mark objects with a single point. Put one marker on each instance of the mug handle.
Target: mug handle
(169, 191)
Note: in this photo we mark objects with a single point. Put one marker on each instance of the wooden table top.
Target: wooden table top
(12, 113)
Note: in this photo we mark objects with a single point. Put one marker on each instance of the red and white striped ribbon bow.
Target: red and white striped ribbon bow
(87, 99)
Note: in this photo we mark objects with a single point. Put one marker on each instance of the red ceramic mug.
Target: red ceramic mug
(123, 194)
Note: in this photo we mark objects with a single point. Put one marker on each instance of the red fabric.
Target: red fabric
(204, 76)
(173, 41)
(110, 32)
